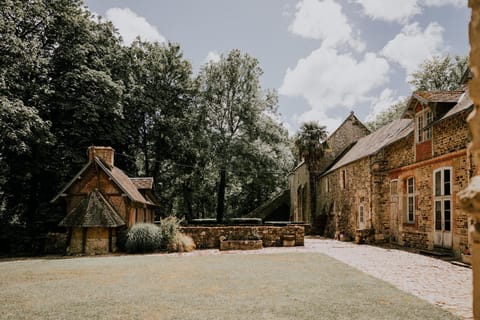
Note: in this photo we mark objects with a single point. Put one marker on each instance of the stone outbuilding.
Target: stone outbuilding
(338, 142)
(102, 202)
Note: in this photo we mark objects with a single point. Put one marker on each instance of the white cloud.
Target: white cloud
(324, 20)
(412, 46)
(327, 79)
(386, 99)
(439, 3)
(130, 25)
(390, 10)
(212, 56)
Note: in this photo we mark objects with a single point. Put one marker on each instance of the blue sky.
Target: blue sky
(325, 57)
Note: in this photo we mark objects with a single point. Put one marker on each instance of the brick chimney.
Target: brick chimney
(103, 153)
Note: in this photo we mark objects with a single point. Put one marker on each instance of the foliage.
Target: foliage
(240, 128)
(169, 230)
(182, 243)
(439, 73)
(394, 112)
(309, 142)
(143, 237)
(67, 83)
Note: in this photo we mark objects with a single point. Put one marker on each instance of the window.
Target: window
(361, 218)
(420, 128)
(343, 179)
(428, 129)
(394, 187)
(411, 200)
(424, 120)
(443, 199)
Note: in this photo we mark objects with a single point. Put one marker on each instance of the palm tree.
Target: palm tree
(311, 146)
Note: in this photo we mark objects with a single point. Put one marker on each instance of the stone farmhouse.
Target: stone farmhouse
(399, 183)
(101, 202)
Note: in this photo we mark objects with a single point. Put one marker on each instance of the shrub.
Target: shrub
(169, 230)
(182, 243)
(143, 237)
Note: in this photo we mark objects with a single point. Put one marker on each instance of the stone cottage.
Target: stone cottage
(299, 179)
(400, 182)
(101, 202)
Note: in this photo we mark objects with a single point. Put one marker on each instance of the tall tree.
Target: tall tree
(310, 145)
(234, 103)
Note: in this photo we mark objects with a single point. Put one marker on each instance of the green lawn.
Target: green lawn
(269, 286)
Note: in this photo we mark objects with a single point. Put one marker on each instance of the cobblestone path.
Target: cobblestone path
(439, 282)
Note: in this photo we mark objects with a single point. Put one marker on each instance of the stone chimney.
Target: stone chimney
(103, 153)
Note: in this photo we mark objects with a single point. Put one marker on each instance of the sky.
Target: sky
(324, 57)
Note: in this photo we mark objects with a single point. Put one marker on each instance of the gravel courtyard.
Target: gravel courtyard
(290, 283)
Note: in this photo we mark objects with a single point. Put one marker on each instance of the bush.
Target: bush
(143, 237)
(169, 230)
(147, 237)
(182, 243)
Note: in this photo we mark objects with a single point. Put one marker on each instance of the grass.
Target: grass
(271, 286)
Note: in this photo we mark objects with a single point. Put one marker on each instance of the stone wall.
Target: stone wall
(420, 233)
(96, 241)
(342, 205)
(299, 183)
(209, 237)
(451, 134)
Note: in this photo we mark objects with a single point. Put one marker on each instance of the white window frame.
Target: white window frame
(410, 203)
(393, 181)
(442, 197)
(361, 217)
(423, 120)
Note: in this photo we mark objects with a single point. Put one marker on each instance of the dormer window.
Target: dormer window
(424, 120)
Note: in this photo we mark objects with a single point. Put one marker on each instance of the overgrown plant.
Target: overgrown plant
(169, 230)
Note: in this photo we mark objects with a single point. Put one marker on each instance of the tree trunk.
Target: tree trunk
(221, 196)
(187, 200)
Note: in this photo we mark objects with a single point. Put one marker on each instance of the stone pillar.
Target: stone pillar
(470, 197)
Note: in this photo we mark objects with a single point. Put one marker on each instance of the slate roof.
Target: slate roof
(464, 102)
(438, 96)
(426, 97)
(375, 141)
(117, 176)
(143, 183)
(93, 211)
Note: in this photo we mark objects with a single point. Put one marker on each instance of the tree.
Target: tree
(25, 138)
(438, 73)
(235, 106)
(394, 112)
(310, 145)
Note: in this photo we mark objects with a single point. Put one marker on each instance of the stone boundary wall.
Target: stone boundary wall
(206, 237)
